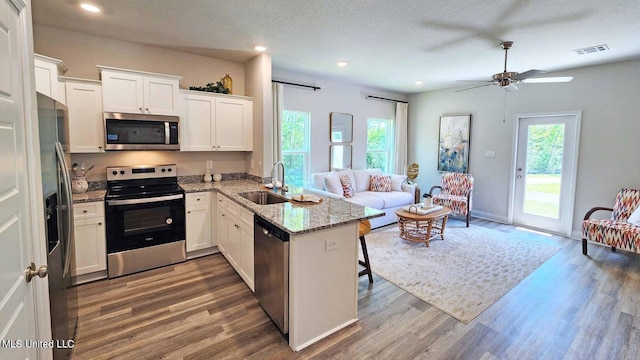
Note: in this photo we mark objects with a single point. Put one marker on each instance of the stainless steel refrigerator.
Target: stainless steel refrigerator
(56, 186)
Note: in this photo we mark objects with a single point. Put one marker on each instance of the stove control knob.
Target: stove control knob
(114, 172)
(121, 172)
(169, 221)
(163, 170)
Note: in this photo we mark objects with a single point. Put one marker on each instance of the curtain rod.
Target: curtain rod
(294, 84)
(381, 98)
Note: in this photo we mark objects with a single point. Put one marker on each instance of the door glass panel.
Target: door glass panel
(543, 170)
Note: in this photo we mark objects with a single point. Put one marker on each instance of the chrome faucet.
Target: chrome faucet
(274, 175)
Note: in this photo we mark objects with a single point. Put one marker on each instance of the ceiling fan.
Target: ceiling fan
(508, 79)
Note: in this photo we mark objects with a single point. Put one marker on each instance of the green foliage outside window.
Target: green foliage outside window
(379, 138)
(295, 146)
(544, 149)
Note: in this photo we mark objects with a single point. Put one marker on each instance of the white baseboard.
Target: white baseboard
(490, 216)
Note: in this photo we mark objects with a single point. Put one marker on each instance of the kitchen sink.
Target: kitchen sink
(263, 197)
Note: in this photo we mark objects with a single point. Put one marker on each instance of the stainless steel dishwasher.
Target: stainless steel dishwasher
(271, 269)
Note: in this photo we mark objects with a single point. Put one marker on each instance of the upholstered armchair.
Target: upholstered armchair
(615, 231)
(455, 193)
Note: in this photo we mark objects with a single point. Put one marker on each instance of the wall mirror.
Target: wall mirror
(341, 127)
(340, 157)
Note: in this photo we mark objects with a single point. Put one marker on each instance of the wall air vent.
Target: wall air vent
(592, 49)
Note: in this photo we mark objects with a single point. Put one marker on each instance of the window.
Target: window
(379, 144)
(295, 146)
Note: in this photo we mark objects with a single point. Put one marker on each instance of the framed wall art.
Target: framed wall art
(454, 142)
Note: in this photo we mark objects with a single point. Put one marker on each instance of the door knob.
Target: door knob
(31, 272)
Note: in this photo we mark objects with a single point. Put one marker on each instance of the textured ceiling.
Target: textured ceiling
(387, 44)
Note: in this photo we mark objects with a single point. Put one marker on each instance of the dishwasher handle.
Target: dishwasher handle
(269, 229)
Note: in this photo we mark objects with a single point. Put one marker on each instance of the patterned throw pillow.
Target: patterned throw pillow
(381, 183)
(347, 188)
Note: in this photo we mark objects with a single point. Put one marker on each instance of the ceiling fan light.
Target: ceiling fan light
(557, 79)
(510, 87)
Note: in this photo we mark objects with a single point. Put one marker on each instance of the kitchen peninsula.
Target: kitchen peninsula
(323, 281)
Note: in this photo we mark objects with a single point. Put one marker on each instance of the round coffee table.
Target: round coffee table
(422, 228)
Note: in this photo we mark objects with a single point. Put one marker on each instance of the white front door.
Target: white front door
(545, 171)
(17, 312)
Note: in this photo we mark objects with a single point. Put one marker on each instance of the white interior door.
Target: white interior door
(545, 171)
(17, 312)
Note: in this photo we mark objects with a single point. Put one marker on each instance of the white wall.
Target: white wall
(82, 52)
(608, 97)
(335, 96)
(258, 75)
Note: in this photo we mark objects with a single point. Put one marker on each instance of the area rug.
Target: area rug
(462, 275)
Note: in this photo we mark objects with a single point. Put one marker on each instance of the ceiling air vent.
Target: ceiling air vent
(592, 49)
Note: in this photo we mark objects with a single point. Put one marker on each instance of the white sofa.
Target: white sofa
(401, 194)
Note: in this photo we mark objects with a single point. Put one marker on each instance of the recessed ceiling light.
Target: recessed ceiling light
(419, 82)
(342, 63)
(260, 48)
(90, 8)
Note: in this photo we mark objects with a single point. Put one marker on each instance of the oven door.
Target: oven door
(143, 222)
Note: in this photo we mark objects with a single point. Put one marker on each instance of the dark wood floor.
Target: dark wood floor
(572, 307)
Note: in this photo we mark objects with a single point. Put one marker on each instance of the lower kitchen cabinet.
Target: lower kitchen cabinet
(237, 241)
(198, 221)
(221, 224)
(89, 261)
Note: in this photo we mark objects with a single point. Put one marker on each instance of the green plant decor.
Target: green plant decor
(216, 87)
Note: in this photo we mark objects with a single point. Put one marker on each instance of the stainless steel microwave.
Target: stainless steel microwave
(141, 132)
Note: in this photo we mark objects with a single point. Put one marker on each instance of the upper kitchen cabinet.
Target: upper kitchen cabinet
(137, 92)
(215, 122)
(86, 127)
(46, 71)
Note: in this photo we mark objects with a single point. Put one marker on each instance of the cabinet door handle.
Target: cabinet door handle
(140, 108)
(100, 223)
(188, 212)
(84, 211)
(99, 147)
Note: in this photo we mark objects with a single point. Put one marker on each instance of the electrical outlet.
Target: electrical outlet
(330, 244)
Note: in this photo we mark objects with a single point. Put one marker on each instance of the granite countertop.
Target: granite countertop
(89, 196)
(294, 218)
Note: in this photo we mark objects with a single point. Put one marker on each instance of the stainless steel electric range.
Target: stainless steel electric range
(145, 218)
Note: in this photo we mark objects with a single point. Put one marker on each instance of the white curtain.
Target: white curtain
(400, 153)
(278, 96)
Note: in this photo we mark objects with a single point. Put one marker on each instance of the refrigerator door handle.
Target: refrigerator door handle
(69, 203)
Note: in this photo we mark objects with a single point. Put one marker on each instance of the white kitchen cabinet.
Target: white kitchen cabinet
(246, 255)
(221, 223)
(47, 70)
(214, 122)
(198, 221)
(89, 261)
(86, 125)
(138, 92)
(238, 240)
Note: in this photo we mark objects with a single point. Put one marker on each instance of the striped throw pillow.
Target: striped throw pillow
(381, 183)
(347, 188)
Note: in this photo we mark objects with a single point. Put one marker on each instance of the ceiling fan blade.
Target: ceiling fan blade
(557, 79)
(528, 74)
(475, 87)
(476, 81)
